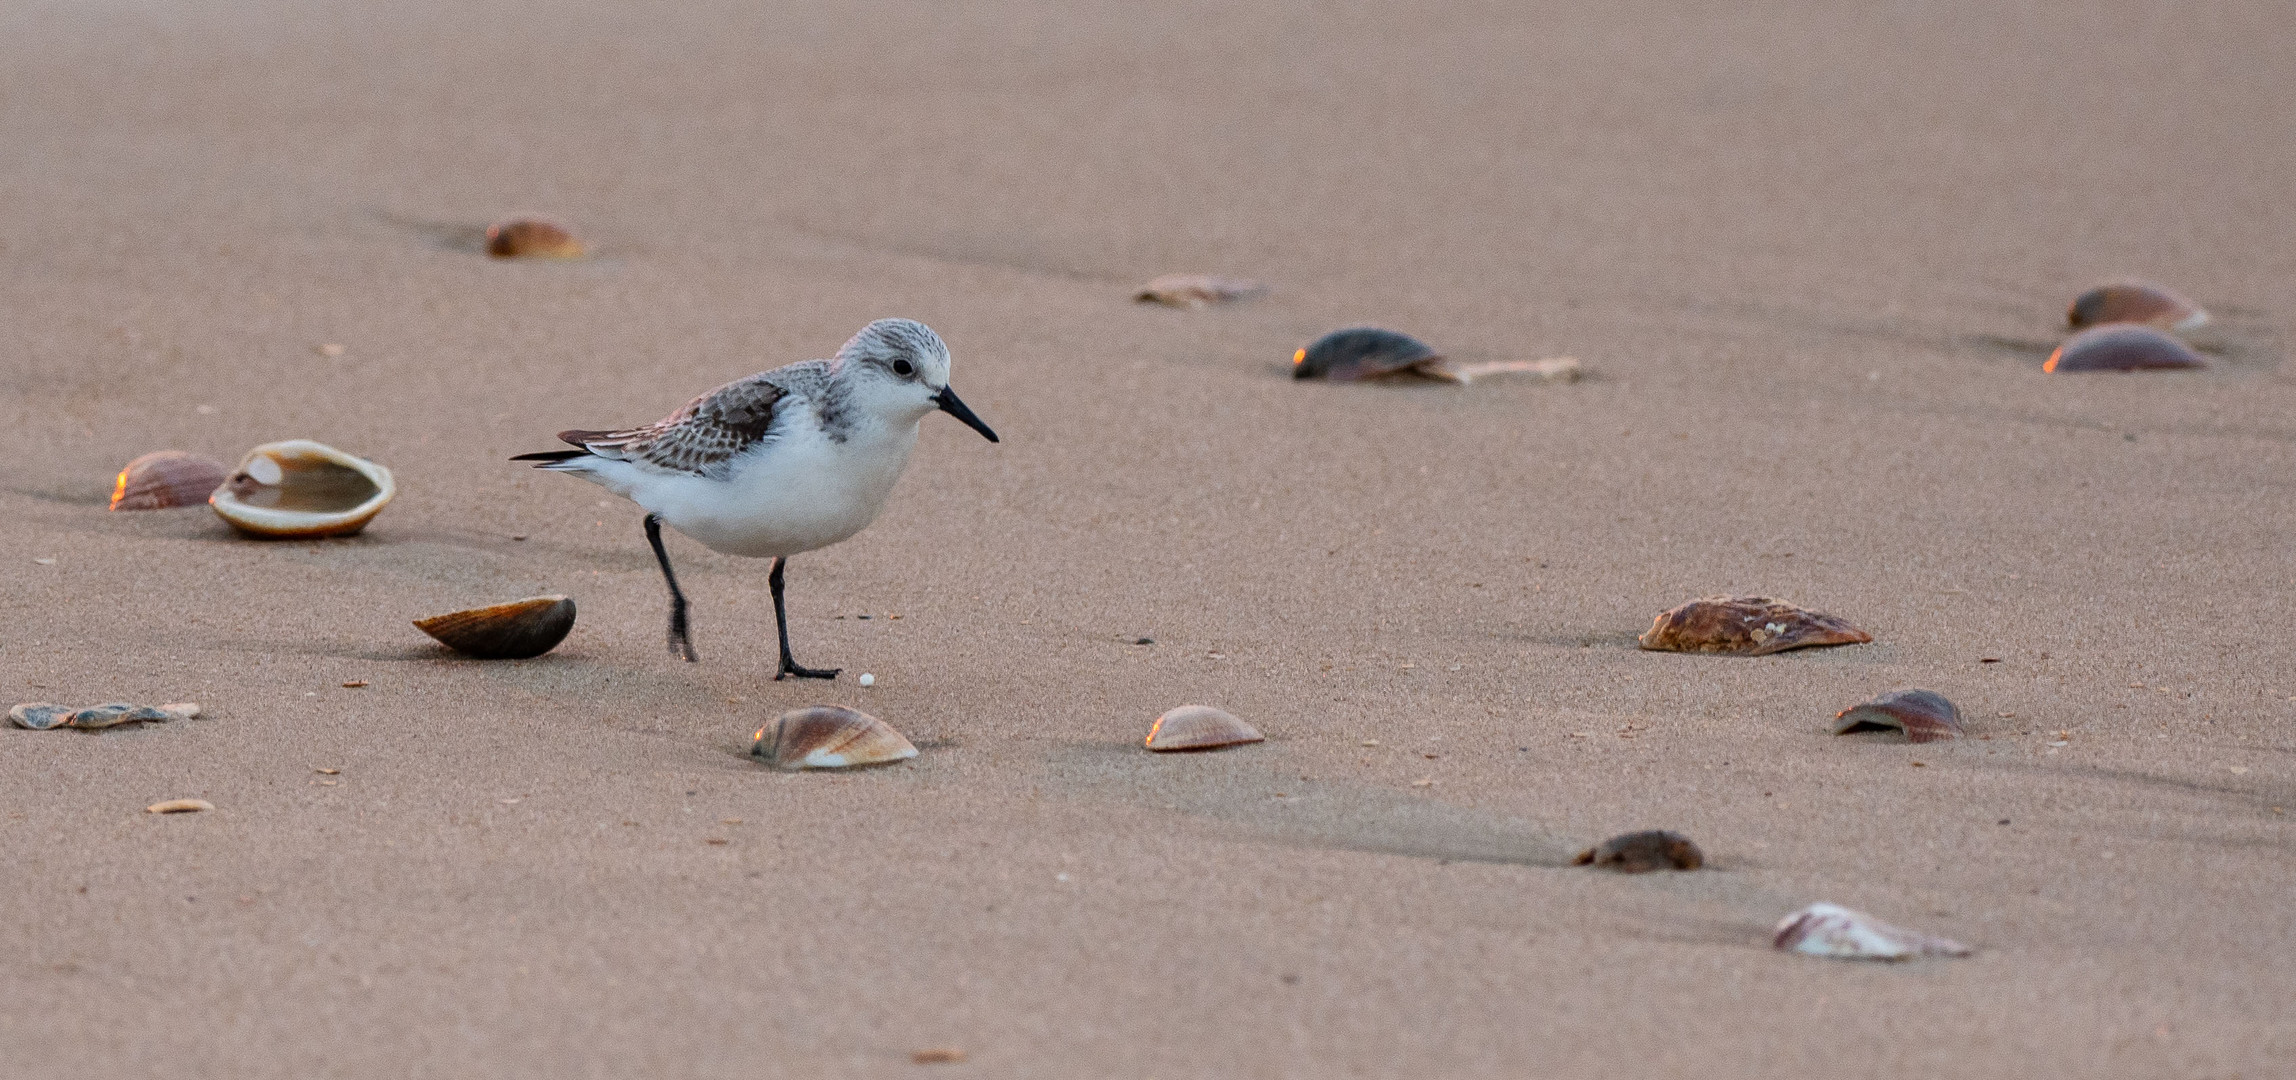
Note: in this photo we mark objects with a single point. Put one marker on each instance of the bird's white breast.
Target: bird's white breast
(800, 491)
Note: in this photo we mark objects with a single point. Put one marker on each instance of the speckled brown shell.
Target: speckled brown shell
(164, 479)
(512, 631)
(530, 238)
(1199, 727)
(1196, 290)
(2123, 347)
(1924, 716)
(2134, 301)
(1642, 852)
(829, 737)
(1746, 626)
(1363, 352)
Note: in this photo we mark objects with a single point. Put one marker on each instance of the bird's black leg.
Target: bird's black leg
(679, 644)
(790, 667)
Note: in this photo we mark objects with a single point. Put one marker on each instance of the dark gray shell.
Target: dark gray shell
(2123, 347)
(1363, 352)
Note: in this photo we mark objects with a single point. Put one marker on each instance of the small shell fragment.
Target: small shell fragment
(2133, 301)
(164, 479)
(1196, 290)
(180, 806)
(96, 717)
(300, 489)
(1363, 352)
(1924, 716)
(1746, 626)
(1552, 369)
(531, 238)
(1641, 852)
(181, 710)
(512, 631)
(1199, 727)
(2123, 347)
(829, 737)
(40, 715)
(1836, 931)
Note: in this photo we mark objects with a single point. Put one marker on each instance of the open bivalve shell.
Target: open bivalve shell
(512, 631)
(1924, 716)
(2134, 301)
(300, 489)
(829, 737)
(2123, 347)
(164, 479)
(1642, 852)
(1746, 626)
(1835, 931)
(1199, 727)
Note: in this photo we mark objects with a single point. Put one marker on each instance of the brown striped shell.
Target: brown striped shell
(829, 737)
(1199, 727)
(513, 631)
(164, 479)
(1746, 626)
(1924, 716)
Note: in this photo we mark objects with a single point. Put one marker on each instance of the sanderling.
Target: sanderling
(784, 461)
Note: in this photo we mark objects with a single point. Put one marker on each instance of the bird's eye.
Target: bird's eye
(903, 368)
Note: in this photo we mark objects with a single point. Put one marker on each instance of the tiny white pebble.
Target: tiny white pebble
(45, 562)
(1060, 877)
(868, 679)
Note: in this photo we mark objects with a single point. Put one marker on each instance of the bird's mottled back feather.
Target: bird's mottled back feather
(713, 429)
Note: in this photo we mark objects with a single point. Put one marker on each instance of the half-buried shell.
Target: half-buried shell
(1196, 290)
(1641, 852)
(164, 479)
(1363, 352)
(512, 631)
(531, 238)
(97, 717)
(1746, 626)
(829, 737)
(1924, 716)
(1199, 727)
(2133, 301)
(1835, 931)
(301, 489)
(2123, 347)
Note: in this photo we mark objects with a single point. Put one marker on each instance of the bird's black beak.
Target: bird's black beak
(950, 405)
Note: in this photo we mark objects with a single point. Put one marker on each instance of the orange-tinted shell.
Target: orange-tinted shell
(1196, 290)
(1746, 626)
(531, 238)
(1199, 727)
(512, 631)
(1641, 852)
(2134, 301)
(166, 478)
(2123, 347)
(1924, 716)
(829, 737)
(299, 489)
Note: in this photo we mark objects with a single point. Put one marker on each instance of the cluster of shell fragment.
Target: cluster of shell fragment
(1923, 715)
(1746, 626)
(45, 716)
(164, 479)
(1834, 931)
(1642, 852)
(531, 238)
(300, 489)
(829, 737)
(1368, 352)
(513, 631)
(1199, 727)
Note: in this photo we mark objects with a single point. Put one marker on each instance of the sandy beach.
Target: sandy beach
(1812, 257)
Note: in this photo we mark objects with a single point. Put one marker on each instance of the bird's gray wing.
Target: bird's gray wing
(709, 432)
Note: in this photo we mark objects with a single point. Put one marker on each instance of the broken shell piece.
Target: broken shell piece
(40, 715)
(1552, 369)
(1836, 931)
(1746, 626)
(1924, 716)
(301, 489)
(512, 631)
(2122, 347)
(1199, 727)
(180, 806)
(181, 710)
(531, 238)
(829, 737)
(1640, 852)
(96, 717)
(1196, 290)
(1364, 352)
(164, 479)
(2133, 301)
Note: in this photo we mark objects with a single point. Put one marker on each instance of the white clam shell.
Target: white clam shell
(1832, 930)
(1199, 727)
(299, 489)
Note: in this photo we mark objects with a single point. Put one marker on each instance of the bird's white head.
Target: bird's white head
(900, 368)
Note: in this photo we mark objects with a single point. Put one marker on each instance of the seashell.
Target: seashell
(2132, 301)
(512, 631)
(95, 717)
(1552, 369)
(829, 737)
(181, 710)
(180, 806)
(1746, 626)
(40, 715)
(2122, 347)
(1924, 716)
(1641, 852)
(1836, 931)
(531, 238)
(1363, 352)
(299, 489)
(1196, 290)
(164, 479)
(1199, 727)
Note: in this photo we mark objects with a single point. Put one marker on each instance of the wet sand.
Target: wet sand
(1813, 259)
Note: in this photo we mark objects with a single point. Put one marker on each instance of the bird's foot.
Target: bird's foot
(790, 668)
(683, 649)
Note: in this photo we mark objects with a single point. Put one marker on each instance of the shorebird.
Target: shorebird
(782, 462)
